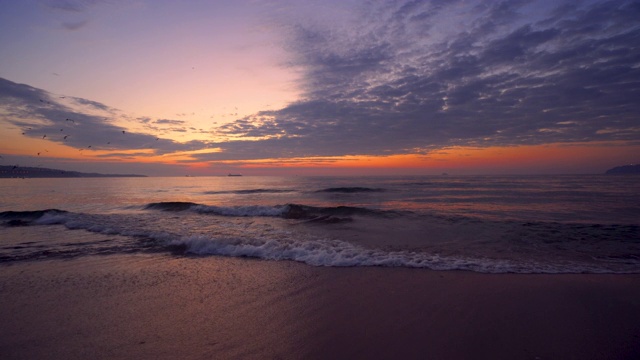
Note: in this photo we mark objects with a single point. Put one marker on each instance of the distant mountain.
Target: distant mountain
(625, 169)
(38, 172)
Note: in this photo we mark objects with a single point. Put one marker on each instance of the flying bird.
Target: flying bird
(65, 137)
(44, 136)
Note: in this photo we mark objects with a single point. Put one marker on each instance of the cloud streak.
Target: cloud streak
(75, 25)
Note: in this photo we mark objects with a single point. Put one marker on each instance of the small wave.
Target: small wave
(335, 253)
(170, 206)
(24, 218)
(249, 210)
(242, 211)
(288, 211)
(151, 232)
(295, 211)
(249, 191)
(28, 215)
(350, 190)
(317, 252)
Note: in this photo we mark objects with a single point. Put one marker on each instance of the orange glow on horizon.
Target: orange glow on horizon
(551, 158)
(556, 157)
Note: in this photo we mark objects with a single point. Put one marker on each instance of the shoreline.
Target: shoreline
(163, 307)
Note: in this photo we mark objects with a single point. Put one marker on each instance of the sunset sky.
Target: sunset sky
(284, 87)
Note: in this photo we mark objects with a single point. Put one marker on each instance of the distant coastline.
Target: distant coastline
(39, 172)
(625, 169)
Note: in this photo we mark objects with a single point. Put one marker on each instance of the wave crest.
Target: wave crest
(296, 211)
(25, 218)
(334, 253)
(350, 190)
(248, 210)
(170, 206)
(288, 211)
(249, 191)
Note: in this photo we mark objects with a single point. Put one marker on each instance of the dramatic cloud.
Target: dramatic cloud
(411, 76)
(385, 78)
(78, 122)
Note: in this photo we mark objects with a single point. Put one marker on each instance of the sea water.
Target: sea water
(495, 224)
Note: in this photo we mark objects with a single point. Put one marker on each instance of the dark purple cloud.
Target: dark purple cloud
(80, 124)
(395, 84)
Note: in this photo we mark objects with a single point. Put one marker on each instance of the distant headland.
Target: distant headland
(625, 169)
(39, 172)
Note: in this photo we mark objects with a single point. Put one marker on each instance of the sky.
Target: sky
(290, 87)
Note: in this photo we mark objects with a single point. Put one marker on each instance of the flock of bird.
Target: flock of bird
(72, 121)
(64, 138)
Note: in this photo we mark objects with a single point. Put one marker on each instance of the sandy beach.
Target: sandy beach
(161, 307)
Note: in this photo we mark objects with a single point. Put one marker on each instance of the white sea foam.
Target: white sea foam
(283, 245)
(274, 239)
(321, 252)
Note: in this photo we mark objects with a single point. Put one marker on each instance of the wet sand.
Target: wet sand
(160, 307)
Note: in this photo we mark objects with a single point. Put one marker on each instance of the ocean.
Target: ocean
(487, 224)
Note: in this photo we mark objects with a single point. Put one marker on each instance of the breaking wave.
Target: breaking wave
(317, 252)
(24, 218)
(170, 206)
(566, 248)
(334, 253)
